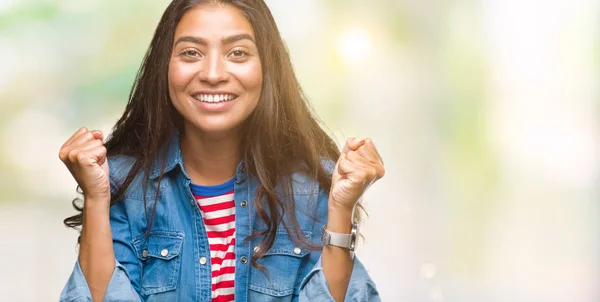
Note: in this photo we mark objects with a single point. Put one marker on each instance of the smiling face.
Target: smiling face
(215, 74)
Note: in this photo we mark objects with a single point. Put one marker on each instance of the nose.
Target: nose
(213, 70)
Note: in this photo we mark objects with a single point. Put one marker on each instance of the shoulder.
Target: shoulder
(119, 166)
(303, 183)
(311, 200)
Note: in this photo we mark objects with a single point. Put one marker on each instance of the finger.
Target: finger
(74, 136)
(71, 143)
(352, 143)
(373, 159)
(345, 166)
(358, 159)
(98, 134)
(82, 139)
(98, 154)
(88, 156)
(74, 151)
(368, 169)
(102, 155)
(369, 154)
(355, 172)
(91, 144)
(371, 146)
(79, 140)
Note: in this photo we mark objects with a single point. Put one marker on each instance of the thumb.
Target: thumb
(99, 155)
(353, 143)
(98, 134)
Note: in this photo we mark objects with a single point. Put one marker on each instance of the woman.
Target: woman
(217, 183)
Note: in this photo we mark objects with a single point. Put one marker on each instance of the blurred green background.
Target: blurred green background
(486, 114)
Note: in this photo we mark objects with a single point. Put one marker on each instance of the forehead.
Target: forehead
(213, 21)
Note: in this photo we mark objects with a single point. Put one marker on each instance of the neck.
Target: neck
(209, 159)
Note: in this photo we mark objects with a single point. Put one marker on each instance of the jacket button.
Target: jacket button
(244, 260)
(164, 253)
(297, 251)
(244, 203)
(203, 260)
(145, 253)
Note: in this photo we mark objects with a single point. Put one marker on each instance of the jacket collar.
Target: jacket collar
(175, 159)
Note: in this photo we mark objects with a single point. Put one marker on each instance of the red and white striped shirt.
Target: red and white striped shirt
(218, 211)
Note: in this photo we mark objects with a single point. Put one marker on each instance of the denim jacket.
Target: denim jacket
(167, 266)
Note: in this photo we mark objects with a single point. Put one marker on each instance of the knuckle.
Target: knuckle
(72, 156)
(80, 156)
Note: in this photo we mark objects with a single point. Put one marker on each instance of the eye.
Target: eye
(191, 53)
(238, 53)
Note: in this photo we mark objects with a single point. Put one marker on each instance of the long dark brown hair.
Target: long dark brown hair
(285, 133)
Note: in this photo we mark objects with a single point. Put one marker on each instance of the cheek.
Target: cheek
(250, 76)
(179, 76)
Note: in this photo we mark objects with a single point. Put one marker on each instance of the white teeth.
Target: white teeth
(214, 98)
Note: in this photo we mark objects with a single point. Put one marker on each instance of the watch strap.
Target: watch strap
(341, 240)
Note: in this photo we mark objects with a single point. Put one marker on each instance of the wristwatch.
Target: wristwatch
(347, 241)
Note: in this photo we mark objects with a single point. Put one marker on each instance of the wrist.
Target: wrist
(339, 220)
(91, 204)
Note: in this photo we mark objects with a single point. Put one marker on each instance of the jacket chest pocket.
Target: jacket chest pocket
(285, 268)
(160, 261)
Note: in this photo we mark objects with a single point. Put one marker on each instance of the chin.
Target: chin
(215, 128)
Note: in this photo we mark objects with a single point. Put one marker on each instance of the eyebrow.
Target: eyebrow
(225, 40)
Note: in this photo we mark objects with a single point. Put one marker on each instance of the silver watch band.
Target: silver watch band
(337, 239)
(342, 240)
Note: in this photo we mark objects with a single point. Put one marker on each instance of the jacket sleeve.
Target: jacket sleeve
(361, 287)
(124, 283)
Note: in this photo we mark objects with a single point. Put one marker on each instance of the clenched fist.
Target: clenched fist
(358, 167)
(84, 155)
